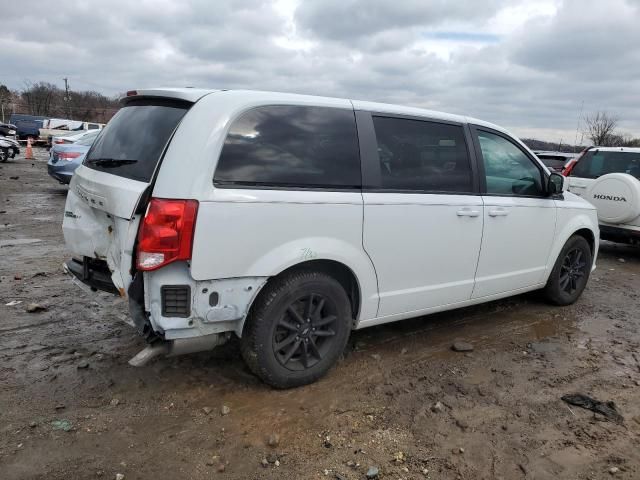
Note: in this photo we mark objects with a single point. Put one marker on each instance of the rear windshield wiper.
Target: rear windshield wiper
(110, 162)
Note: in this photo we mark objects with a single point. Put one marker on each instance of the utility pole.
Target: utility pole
(575, 142)
(66, 97)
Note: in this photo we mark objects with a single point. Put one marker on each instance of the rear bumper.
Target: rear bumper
(93, 273)
(60, 173)
(619, 234)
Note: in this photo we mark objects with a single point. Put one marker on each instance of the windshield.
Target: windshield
(596, 163)
(132, 142)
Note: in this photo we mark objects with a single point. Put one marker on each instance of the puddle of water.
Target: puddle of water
(485, 326)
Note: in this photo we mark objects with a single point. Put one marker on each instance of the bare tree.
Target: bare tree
(5, 98)
(40, 97)
(600, 129)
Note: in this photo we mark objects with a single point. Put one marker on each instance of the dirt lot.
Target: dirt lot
(401, 401)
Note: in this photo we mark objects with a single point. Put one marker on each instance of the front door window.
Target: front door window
(508, 171)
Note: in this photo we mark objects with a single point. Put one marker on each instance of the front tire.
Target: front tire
(570, 273)
(297, 329)
(4, 155)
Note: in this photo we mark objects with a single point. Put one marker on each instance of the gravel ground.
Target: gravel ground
(401, 400)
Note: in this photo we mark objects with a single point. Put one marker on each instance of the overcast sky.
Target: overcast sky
(526, 65)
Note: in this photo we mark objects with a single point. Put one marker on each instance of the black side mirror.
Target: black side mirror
(555, 184)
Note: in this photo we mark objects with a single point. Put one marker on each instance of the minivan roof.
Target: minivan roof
(195, 94)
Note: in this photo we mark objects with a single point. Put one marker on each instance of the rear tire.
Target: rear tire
(570, 273)
(297, 329)
(4, 155)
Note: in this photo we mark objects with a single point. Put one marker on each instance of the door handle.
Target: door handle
(498, 212)
(467, 212)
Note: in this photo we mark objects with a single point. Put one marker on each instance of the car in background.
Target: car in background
(555, 161)
(9, 146)
(609, 178)
(71, 137)
(8, 130)
(64, 158)
(53, 127)
(27, 126)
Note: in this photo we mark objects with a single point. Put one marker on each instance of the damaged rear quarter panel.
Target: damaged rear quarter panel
(234, 297)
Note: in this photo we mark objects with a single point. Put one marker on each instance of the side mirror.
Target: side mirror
(555, 184)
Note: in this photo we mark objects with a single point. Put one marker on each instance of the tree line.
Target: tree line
(48, 100)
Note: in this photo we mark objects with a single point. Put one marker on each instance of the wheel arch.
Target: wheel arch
(342, 273)
(584, 225)
(589, 236)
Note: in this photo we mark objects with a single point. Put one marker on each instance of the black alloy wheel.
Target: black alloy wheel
(570, 273)
(297, 328)
(305, 331)
(573, 269)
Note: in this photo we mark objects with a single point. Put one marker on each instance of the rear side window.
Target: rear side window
(596, 163)
(131, 144)
(423, 156)
(295, 146)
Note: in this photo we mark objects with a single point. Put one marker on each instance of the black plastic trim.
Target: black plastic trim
(620, 235)
(183, 291)
(275, 186)
(93, 273)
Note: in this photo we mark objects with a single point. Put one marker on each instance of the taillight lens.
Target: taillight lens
(572, 163)
(68, 155)
(166, 233)
(566, 171)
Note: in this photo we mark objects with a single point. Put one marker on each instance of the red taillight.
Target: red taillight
(566, 171)
(68, 155)
(132, 93)
(166, 233)
(572, 163)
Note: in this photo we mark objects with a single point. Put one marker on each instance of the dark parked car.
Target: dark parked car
(64, 158)
(555, 161)
(27, 125)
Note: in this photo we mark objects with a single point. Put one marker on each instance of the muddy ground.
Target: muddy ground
(72, 408)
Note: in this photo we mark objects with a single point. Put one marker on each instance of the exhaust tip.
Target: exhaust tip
(148, 353)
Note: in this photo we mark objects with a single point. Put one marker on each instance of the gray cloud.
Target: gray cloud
(442, 55)
(349, 19)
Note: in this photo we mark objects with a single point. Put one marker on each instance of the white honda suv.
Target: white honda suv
(290, 220)
(609, 178)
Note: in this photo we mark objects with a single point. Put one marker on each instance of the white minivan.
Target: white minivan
(290, 220)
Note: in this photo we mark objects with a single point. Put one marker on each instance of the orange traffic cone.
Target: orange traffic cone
(28, 154)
